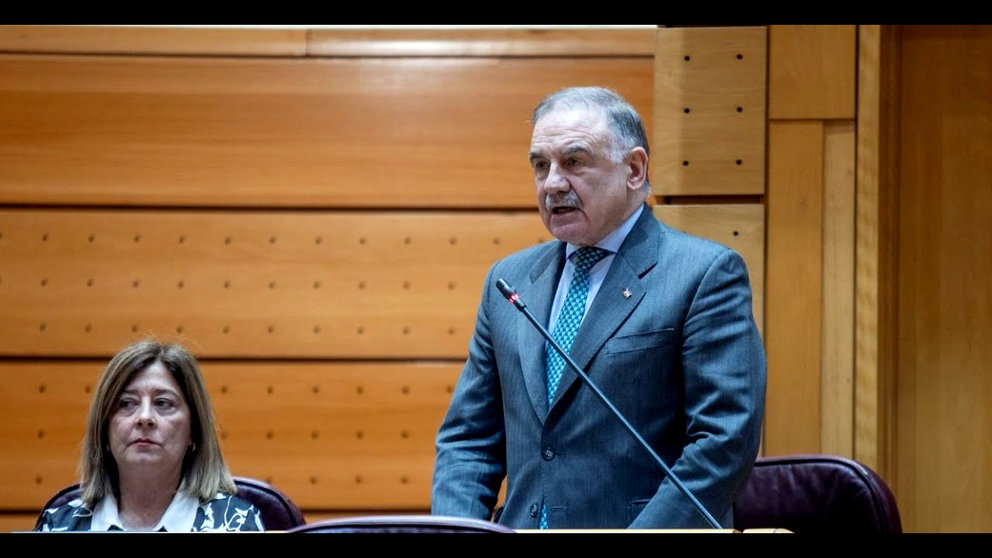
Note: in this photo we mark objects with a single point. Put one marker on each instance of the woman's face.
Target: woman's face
(150, 427)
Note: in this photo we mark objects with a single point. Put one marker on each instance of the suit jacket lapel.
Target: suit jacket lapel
(538, 295)
(637, 254)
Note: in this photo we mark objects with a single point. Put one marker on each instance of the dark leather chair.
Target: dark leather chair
(279, 513)
(402, 524)
(816, 493)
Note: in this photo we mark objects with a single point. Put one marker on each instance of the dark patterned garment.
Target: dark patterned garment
(225, 512)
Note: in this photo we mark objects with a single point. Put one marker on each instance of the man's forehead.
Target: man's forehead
(572, 117)
(569, 130)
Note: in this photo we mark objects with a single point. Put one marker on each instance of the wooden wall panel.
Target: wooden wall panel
(156, 40)
(875, 252)
(341, 132)
(945, 279)
(709, 112)
(341, 436)
(837, 395)
(328, 41)
(332, 435)
(573, 41)
(13, 522)
(45, 408)
(811, 71)
(793, 321)
(254, 284)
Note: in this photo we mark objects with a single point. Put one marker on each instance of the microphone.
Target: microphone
(510, 294)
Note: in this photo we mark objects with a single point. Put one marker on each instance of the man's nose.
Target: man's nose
(556, 181)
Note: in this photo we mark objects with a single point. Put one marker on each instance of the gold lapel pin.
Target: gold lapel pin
(626, 293)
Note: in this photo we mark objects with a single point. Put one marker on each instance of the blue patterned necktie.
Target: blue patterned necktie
(571, 314)
(568, 324)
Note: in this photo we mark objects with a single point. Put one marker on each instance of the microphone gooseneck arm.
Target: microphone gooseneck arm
(510, 294)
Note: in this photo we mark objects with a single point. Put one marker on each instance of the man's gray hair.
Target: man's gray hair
(622, 118)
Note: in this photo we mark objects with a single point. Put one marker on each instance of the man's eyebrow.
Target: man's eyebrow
(576, 148)
(570, 150)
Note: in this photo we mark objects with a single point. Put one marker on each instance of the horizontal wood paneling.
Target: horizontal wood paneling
(256, 284)
(326, 41)
(533, 41)
(378, 133)
(278, 419)
(131, 40)
(12, 522)
(331, 435)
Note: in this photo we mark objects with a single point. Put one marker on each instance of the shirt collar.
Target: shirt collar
(178, 517)
(613, 240)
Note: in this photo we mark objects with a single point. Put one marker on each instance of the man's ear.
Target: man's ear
(637, 168)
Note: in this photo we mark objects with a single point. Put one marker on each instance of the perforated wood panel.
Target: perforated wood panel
(331, 435)
(45, 405)
(342, 436)
(250, 284)
(709, 111)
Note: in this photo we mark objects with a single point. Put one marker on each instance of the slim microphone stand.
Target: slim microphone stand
(513, 297)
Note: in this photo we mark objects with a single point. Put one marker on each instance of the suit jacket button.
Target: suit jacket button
(548, 453)
(533, 510)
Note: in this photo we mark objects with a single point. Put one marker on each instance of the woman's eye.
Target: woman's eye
(164, 403)
(126, 403)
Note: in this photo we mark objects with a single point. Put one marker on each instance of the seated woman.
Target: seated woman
(151, 460)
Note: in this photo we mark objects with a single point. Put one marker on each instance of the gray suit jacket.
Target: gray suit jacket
(670, 339)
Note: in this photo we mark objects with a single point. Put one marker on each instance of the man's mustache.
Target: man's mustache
(562, 199)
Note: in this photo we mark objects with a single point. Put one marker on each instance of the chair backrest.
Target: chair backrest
(811, 493)
(279, 512)
(416, 523)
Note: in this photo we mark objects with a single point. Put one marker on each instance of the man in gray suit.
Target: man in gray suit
(668, 337)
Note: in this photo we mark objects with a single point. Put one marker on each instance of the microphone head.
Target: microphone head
(510, 293)
(505, 288)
